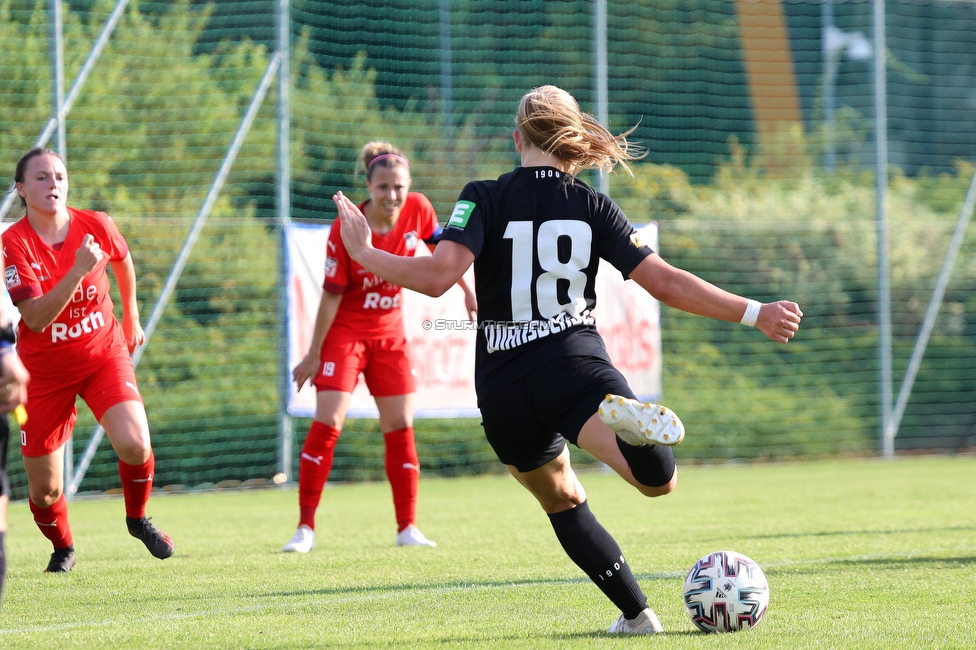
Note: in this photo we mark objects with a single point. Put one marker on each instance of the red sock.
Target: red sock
(53, 522)
(313, 469)
(403, 471)
(137, 483)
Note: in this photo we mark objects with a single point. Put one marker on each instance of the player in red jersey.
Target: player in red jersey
(72, 345)
(359, 329)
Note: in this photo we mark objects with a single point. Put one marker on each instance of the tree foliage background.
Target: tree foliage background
(150, 128)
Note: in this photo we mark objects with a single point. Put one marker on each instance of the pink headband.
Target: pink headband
(387, 156)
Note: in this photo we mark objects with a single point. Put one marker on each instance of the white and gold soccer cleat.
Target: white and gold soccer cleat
(641, 424)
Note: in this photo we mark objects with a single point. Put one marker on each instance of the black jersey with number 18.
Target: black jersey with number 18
(538, 235)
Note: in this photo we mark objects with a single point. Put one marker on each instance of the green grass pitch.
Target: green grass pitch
(858, 553)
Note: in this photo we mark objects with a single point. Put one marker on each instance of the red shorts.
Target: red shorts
(51, 412)
(386, 365)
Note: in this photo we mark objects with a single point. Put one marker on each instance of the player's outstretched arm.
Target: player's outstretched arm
(428, 275)
(686, 291)
(470, 298)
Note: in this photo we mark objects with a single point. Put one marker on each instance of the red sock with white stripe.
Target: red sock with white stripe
(137, 481)
(313, 469)
(403, 471)
(53, 522)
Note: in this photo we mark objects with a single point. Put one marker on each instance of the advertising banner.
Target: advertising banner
(443, 340)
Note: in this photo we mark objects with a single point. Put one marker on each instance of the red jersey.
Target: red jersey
(370, 306)
(86, 328)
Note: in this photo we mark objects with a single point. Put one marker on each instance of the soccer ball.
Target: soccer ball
(725, 592)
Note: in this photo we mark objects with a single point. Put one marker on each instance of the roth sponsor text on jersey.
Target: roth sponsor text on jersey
(87, 325)
(376, 300)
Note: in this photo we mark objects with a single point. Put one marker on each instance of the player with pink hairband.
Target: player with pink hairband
(388, 156)
(359, 330)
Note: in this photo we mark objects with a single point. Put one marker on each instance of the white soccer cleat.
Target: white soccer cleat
(411, 536)
(641, 424)
(301, 542)
(645, 623)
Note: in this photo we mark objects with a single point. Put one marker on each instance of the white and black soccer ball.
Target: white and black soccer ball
(725, 592)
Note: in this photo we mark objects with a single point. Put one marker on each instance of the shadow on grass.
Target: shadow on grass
(450, 586)
(585, 638)
(488, 639)
(847, 533)
(880, 562)
(906, 561)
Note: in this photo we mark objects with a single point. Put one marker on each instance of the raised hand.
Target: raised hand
(356, 235)
(88, 255)
(779, 320)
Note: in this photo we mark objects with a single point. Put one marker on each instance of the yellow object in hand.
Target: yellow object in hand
(21, 414)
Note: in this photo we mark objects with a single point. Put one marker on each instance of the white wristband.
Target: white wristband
(752, 313)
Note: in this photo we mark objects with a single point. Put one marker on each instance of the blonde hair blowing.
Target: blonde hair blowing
(550, 118)
(373, 150)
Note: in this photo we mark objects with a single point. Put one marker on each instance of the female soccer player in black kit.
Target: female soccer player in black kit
(542, 373)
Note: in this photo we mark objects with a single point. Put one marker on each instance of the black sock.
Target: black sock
(591, 547)
(3, 564)
(651, 465)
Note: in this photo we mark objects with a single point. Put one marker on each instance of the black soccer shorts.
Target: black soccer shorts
(528, 421)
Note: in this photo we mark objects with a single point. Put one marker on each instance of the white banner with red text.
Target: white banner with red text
(443, 340)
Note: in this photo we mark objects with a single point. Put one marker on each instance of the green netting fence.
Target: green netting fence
(769, 207)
